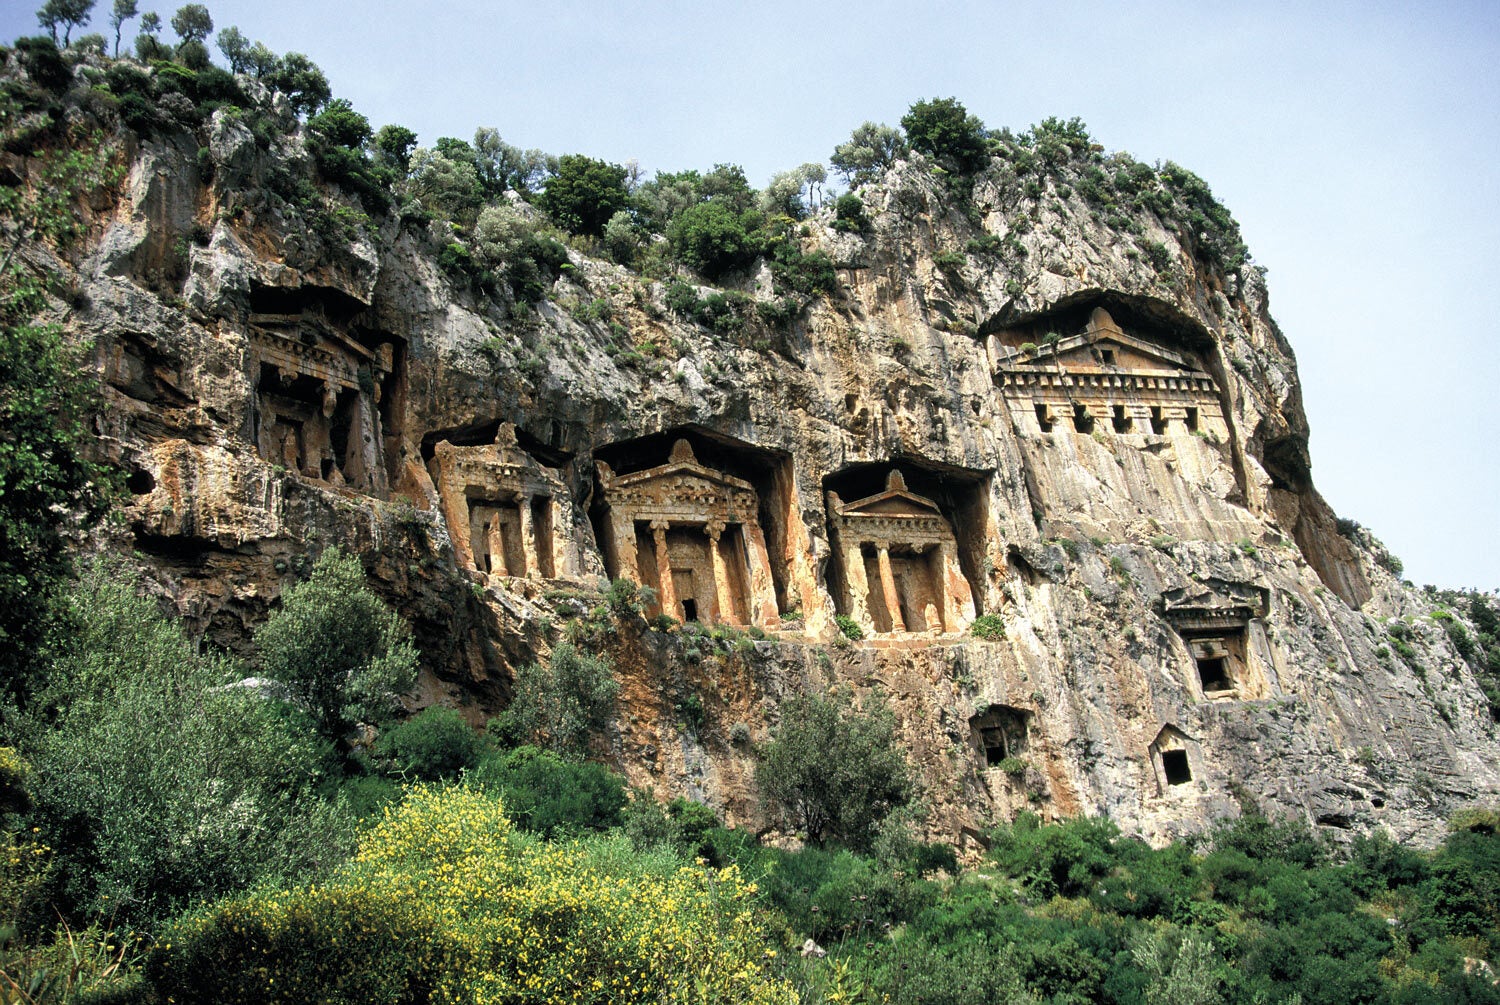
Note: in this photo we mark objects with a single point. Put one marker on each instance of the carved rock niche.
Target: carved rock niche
(1172, 756)
(1103, 377)
(1001, 732)
(504, 510)
(1221, 627)
(693, 534)
(898, 564)
(326, 404)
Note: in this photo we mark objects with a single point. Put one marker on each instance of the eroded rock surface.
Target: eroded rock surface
(1104, 449)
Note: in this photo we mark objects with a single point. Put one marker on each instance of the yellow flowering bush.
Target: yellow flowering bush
(445, 903)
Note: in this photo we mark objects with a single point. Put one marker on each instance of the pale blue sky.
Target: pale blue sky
(1357, 146)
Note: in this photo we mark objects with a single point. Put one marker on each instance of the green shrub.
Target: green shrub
(435, 743)
(338, 650)
(827, 894)
(950, 263)
(560, 704)
(43, 63)
(1061, 860)
(849, 627)
(1013, 766)
(834, 771)
(805, 274)
(584, 193)
(548, 794)
(989, 627)
(714, 239)
(849, 214)
(681, 824)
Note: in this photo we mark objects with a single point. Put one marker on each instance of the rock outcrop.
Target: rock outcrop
(1090, 434)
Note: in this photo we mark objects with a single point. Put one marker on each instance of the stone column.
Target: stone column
(622, 529)
(563, 565)
(859, 586)
(763, 610)
(667, 595)
(888, 586)
(528, 537)
(455, 505)
(958, 595)
(723, 593)
(494, 540)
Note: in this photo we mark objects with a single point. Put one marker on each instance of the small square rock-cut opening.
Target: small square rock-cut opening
(1002, 733)
(1213, 676)
(1219, 657)
(1174, 764)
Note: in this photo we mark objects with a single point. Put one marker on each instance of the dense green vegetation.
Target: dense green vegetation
(500, 220)
(178, 824)
(203, 838)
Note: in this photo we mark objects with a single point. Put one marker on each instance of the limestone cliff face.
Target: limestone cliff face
(1089, 433)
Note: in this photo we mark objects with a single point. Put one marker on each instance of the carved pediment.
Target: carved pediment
(494, 469)
(1102, 344)
(1214, 601)
(315, 350)
(896, 500)
(681, 474)
(681, 489)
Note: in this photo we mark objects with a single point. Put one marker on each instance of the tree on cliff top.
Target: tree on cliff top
(64, 14)
(192, 22)
(870, 149)
(584, 193)
(341, 653)
(122, 11)
(944, 129)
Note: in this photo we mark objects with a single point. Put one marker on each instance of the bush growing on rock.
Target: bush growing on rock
(435, 743)
(989, 627)
(561, 704)
(833, 771)
(341, 654)
(849, 214)
(714, 239)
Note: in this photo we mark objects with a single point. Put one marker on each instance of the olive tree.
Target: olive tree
(122, 11)
(868, 151)
(64, 14)
(192, 22)
(833, 770)
(159, 777)
(235, 47)
(341, 654)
